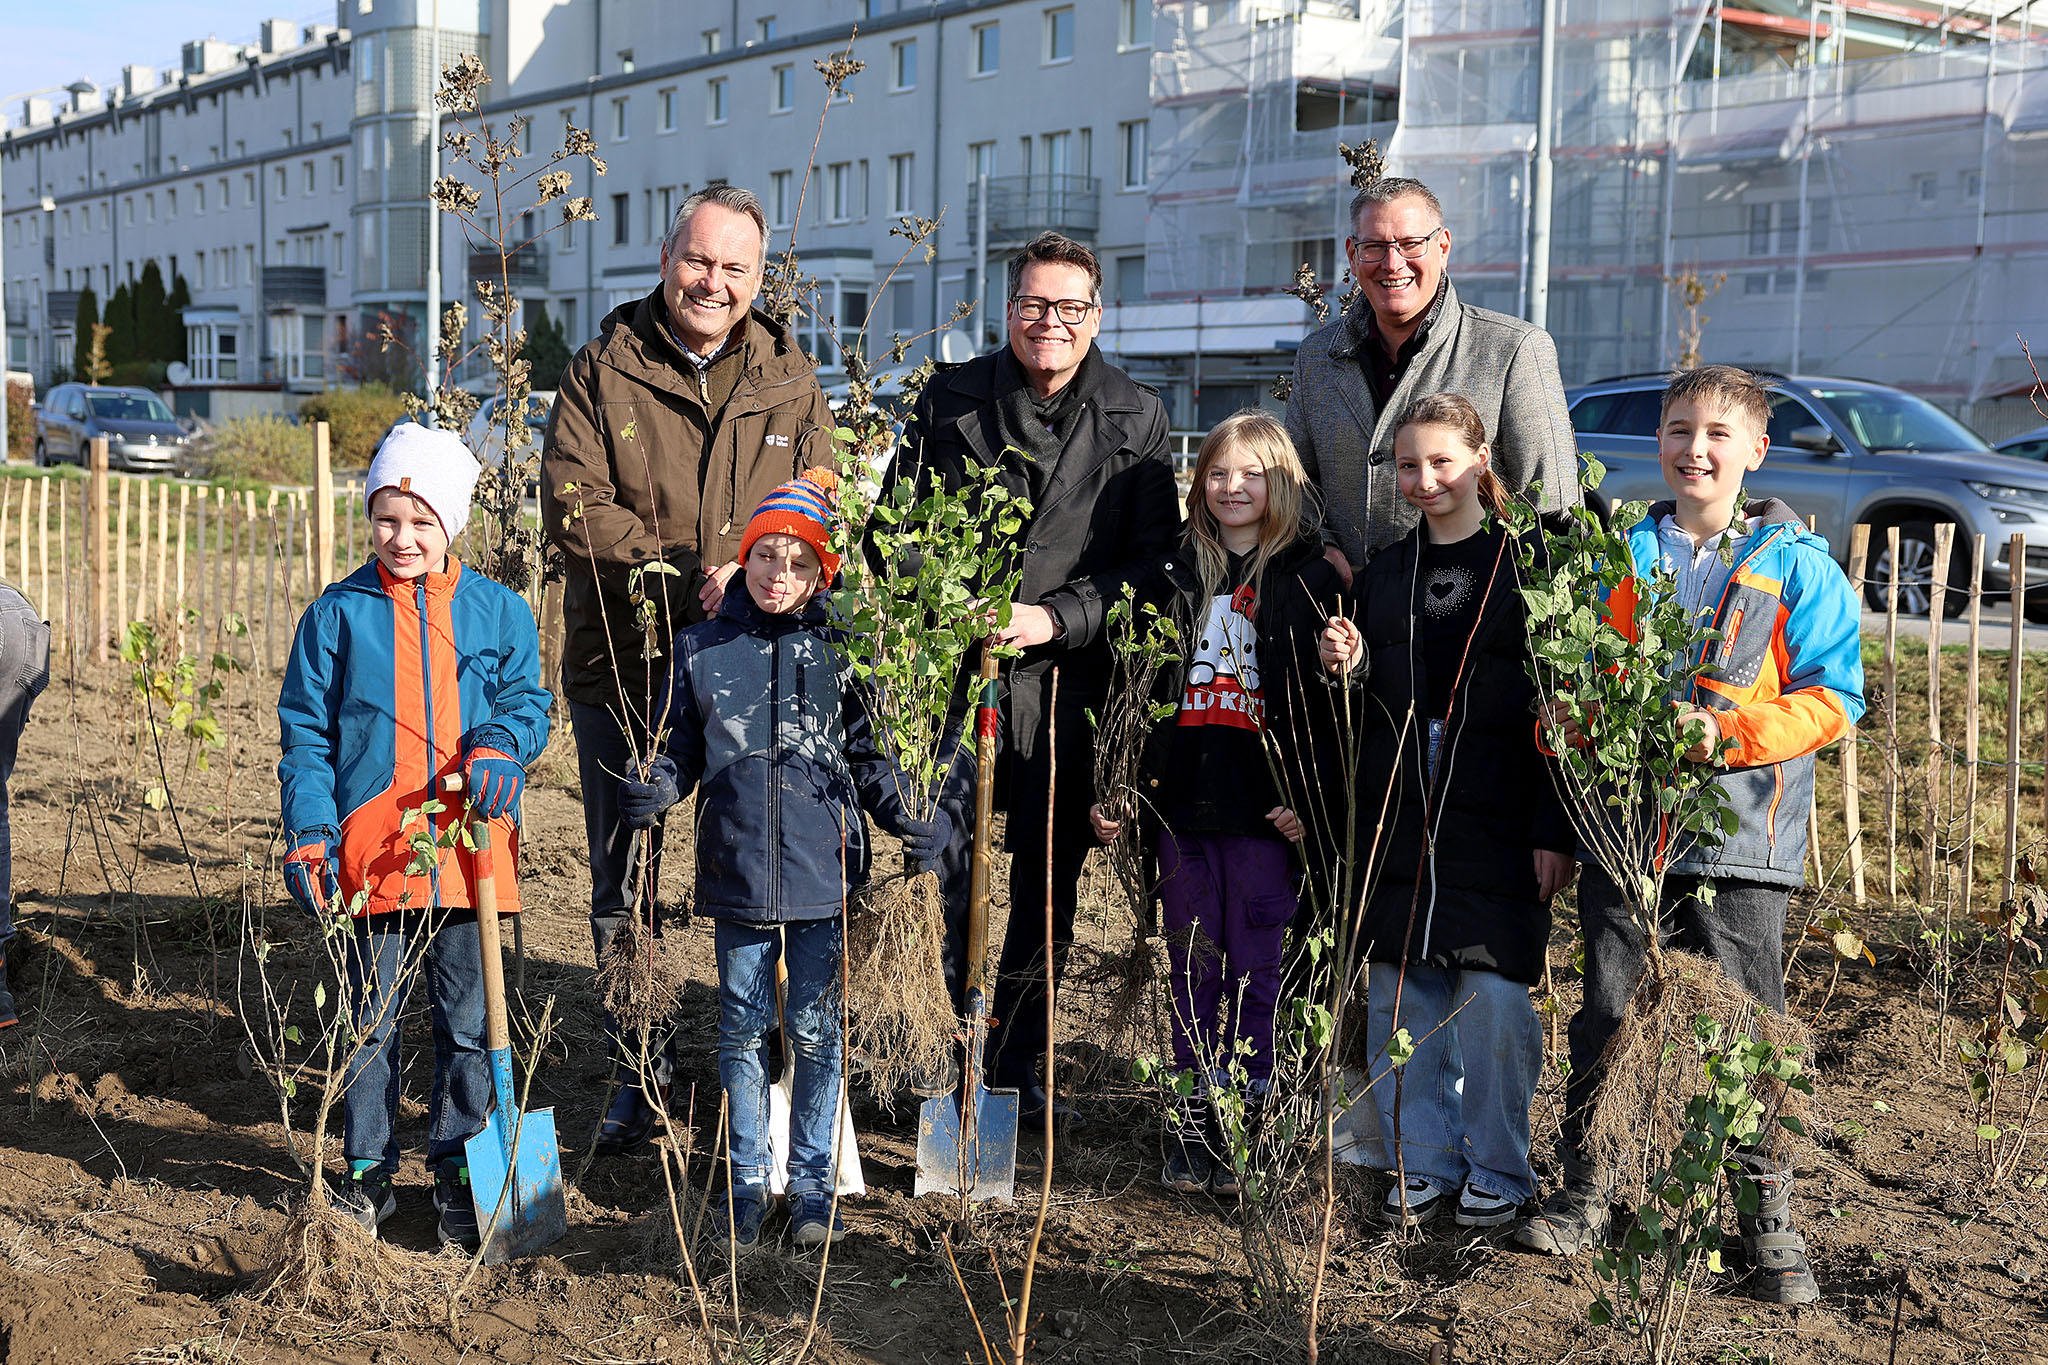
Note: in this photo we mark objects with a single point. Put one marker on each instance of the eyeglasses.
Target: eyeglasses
(1409, 247)
(1070, 311)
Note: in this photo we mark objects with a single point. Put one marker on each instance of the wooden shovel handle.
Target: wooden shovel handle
(986, 718)
(496, 1034)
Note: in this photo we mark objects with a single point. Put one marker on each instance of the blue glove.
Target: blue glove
(311, 877)
(494, 780)
(641, 803)
(925, 840)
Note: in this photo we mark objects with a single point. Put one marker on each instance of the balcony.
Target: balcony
(17, 309)
(525, 268)
(294, 286)
(60, 306)
(1020, 207)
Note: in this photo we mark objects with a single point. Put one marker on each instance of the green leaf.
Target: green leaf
(1988, 1132)
(319, 995)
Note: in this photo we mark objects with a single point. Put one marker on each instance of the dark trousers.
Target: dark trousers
(1743, 930)
(24, 673)
(1019, 1037)
(603, 757)
(1226, 901)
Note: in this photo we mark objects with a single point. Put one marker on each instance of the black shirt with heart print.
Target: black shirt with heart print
(1450, 582)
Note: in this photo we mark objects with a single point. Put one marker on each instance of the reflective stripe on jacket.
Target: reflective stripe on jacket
(390, 682)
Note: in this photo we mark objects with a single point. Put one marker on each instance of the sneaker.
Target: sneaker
(1478, 1208)
(741, 1229)
(455, 1205)
(1575, 1218)
(7, 1014)
(1779, 1271)
(1413, 1202)
(813, 1221)
(628, 1126)
(366, 1196)
(1190, 1164)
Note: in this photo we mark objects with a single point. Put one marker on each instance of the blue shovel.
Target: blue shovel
(515, 1166)
(967, 1143)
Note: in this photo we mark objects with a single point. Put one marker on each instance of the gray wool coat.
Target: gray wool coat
(1504, 366)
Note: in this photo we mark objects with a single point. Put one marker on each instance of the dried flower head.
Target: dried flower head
(453, 196)
(838, 69)
(579, 209)
(1310, 291)
(1368, 163)
(551, 185)
(457, 93)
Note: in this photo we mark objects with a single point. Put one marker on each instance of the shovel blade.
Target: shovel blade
(986, 1162)
(519, 1205)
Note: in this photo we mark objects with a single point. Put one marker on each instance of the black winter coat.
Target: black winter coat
(1471, 901)
(1298, 591)
(1110, 505)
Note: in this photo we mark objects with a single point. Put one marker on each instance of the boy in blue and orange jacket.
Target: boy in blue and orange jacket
(1785, 678)
(410, 669)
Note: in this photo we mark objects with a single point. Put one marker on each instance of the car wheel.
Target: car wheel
(42, 453)
(1916, 573)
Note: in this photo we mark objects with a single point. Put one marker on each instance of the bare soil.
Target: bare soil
(146, 1167)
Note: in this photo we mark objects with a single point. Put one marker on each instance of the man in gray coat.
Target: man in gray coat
(1406, 336)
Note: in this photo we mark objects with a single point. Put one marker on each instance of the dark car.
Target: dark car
(1848, 451)
(142, 434)
(2028, 445)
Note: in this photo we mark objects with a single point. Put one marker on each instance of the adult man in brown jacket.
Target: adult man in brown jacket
(685, 411)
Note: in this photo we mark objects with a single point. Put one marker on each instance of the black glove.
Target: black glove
(641, 803)
(925, 840)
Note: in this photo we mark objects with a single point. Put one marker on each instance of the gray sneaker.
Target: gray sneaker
(1575, 1218)
(366, 1196)
(1778, 1268)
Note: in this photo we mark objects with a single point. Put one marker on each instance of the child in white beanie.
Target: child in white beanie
(407, 670)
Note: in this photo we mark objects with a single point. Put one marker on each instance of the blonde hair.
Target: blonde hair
(1455, 411)
(1256, 432)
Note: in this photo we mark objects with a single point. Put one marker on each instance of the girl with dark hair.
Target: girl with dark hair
(1476, 840)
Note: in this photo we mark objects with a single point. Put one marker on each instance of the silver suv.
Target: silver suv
(1845, 451)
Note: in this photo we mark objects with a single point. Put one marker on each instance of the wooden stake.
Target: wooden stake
(1891, 715)
(1937, 592)
(64, 563)
(163, 544)
(323, 507)
(355, 502)
(270, 588)
(202, 583)
(43, 545)
(121, 564)
(1852, 798)
(2016, 570)
(1971, 696)
(96, 537)
(184, 510)
(6, 503)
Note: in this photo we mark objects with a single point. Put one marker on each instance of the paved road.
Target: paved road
(1996, 630)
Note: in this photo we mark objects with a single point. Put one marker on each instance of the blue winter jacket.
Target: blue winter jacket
(390, 683)
(1784, 678)
(765, 720)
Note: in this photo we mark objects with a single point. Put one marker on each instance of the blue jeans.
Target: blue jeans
(602, 759)
(810, 1021)
(1465, 1094)
(453, 971)
(24, 673)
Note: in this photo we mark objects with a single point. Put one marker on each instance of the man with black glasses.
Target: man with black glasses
(1407, 336)
(1087, 445)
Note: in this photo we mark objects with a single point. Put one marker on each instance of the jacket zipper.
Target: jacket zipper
(427, 703)
(775, 777)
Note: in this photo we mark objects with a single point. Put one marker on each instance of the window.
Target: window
(1059, 35)
(666, 99)
(665, 201)
(565, 237)
(1136, 141)
(622, 120)
(1924, 188)
(211, 349)
(1759, 229)
(334, 171)
(1788, 227)
(278, 179)
(765, 27)
(622, 219)
(784, 98)
(626, 60)
(780, 201)
(1973, 185)
(340, 252)
(981, 160)
(903, 65)
(248, 187)
(712, 39)
(986, 47)
(1130, 279)
(170, 203)
(1133, 24)
(224, 198)
(67, 229)
(307, 180)
(903, 298)
(902, 180)
(839, 192)
(524, 137)
(1822, 216)
(861, 187)
(127, 216)
(1629, 412)
(717, 102)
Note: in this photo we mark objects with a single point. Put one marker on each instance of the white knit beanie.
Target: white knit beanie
(434, 466)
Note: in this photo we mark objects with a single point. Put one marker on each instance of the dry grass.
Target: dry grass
(900, 1014)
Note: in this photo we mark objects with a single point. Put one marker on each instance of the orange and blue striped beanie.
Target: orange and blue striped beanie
(805, 507)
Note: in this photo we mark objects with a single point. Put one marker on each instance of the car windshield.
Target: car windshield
(129, 407)
(1885, 419)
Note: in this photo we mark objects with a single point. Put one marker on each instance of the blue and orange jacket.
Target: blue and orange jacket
(391, 681)
(1784, 678)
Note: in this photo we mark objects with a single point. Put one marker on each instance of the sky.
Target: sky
(55, 42)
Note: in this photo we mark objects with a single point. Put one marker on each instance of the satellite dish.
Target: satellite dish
(955, 346)
(178, 374)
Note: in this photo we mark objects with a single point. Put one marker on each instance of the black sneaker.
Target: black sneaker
(741, 1229)
(628, 1126)
(366, 1196)
(7, 1014)
(456, 1205)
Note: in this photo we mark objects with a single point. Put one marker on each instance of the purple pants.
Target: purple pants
(1227, 900)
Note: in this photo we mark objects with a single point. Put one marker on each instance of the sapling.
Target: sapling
(2007, 1068)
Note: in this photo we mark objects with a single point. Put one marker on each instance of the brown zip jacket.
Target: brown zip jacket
(643, 463)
